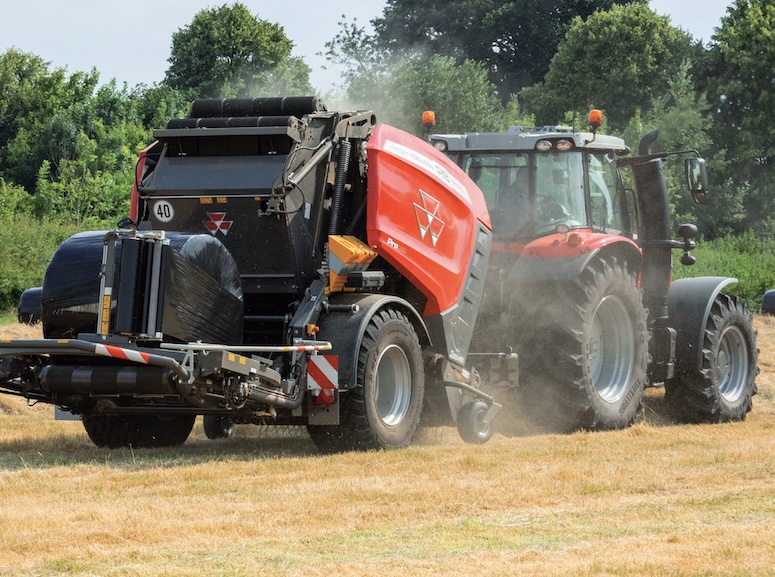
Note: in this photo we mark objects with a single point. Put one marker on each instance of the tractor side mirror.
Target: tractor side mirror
(697, 180)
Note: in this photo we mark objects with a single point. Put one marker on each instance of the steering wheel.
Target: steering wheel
(549, 210)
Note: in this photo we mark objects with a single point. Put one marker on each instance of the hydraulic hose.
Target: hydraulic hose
(276, 399)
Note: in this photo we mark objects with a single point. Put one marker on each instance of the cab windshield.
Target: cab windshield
(529, 194)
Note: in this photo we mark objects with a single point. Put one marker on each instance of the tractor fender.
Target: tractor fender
(541, 269)
(345, 328)
(689, 302)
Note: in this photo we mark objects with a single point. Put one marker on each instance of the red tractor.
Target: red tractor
(579, 284)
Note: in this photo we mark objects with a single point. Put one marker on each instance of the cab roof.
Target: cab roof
(521, 138)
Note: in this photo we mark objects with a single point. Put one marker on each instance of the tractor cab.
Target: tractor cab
(545, 180)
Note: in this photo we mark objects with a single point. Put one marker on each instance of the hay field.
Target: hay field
(655, 499)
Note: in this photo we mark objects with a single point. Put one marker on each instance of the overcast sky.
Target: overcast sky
(130, 40)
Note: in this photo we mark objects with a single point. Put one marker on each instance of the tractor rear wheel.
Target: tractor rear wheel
(382, 410)
(585, 353)
(138, 431)
(722, 389)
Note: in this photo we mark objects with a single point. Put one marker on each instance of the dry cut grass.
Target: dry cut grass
(653, 500)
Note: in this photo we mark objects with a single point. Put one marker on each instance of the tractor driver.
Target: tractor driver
(513, 208)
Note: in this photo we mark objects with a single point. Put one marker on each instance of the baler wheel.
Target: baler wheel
(138, 431)
(722, 389)
(388, 398)
(218, 427)
(382, 410)
(471, 425)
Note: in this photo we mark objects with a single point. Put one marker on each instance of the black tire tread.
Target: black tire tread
(695, 397)
(138, 431)
(553, 357)
(217, 427)
(355, 430)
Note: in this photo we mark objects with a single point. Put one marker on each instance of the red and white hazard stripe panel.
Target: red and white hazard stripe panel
(323, 372)
(323, 378)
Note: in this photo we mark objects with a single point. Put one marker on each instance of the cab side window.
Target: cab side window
(604, 203)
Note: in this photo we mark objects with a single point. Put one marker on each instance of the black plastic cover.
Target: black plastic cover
(195, 307)
(29, 306)
(201, 292)
(71, 287)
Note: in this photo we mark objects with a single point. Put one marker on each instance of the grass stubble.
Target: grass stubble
(655, 499)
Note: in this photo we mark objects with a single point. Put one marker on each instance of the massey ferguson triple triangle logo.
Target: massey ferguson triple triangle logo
(427, 221)
(217, 222)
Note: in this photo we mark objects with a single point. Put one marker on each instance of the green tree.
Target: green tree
(68, 149)
(739, 80)
(155, 105)
(357, 54)
(515, 40)
(461, 96)
(20, 75)
(399, 88)
(13, 199)
(681, 117)
(619, 61)
(227, 51)
(72, 144)
(31, 103)
(92, 186)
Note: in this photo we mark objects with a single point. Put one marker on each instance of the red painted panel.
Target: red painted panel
(422, 214)
(558, 246)
(139, 173)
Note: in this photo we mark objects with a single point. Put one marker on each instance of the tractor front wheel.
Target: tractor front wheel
(585, 352)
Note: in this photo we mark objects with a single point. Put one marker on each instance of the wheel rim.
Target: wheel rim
(612, 349)
(392, 385)
(732, 364)
(481, 429)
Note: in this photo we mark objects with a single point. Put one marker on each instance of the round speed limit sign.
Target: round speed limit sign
(163, 211)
